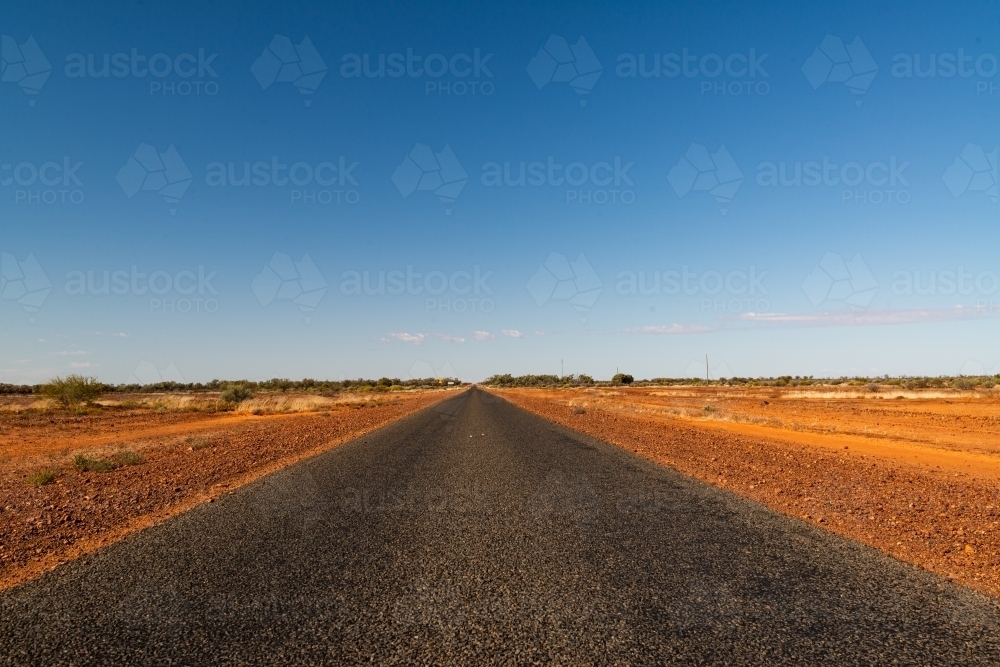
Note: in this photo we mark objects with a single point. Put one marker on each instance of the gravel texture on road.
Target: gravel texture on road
(476, 533)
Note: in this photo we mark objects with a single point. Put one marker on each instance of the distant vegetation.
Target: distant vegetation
(870, 384)
(75, 389)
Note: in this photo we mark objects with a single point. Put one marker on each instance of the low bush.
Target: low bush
(91, 464)
(236, 393)
(43, 478)
(72, 389)
(127, 458)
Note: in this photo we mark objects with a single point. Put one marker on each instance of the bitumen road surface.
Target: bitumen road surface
(475, 533)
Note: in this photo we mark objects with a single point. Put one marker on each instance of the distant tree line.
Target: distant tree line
(307, 385)
(963, 382)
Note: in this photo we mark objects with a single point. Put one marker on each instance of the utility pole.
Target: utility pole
(562, 369)
(706, 368)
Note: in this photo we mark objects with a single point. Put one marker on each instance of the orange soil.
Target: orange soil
(41, 527)
(914, 478)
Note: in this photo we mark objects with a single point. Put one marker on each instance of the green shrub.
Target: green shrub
(964, 384)
(127, 458)
(72, 389)
(236, 393)
(90, 464)
(199, 443)
(43, 478)
(622, 378)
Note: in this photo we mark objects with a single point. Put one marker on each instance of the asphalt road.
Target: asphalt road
(475, 533)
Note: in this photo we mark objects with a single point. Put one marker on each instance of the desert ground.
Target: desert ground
(73, 480)
(913, 473)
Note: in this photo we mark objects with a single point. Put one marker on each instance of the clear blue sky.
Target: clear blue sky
(789, 188)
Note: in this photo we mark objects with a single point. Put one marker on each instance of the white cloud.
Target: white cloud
(669, 329)
(450, 338)
(483, 335)
(82, 364)
(416, 339)
(871, 317)
(512, 333)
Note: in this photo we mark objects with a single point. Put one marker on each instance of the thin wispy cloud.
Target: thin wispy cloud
(669, 329)
(512, 333)
(483, 335)
(861, 318)
(449, 338)
(82, 364)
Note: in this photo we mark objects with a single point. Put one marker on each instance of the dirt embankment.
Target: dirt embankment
(186, 459)
(942, 518)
